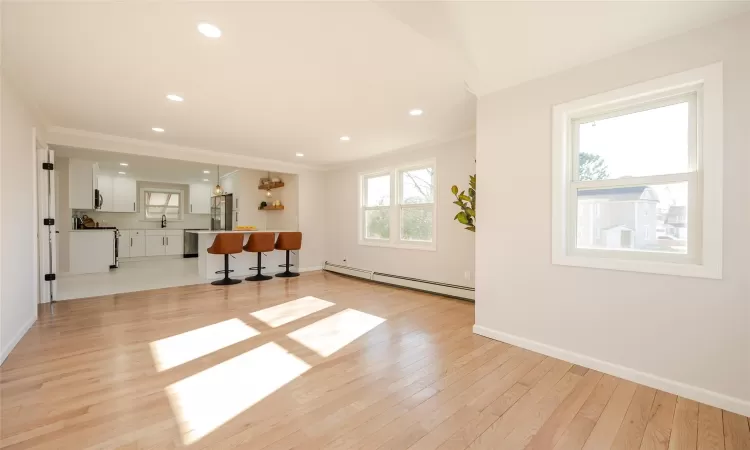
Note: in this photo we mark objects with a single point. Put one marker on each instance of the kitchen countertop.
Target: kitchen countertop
(237, 231)
(89, 230)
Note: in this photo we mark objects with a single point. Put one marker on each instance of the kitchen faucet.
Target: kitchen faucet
(163, 221)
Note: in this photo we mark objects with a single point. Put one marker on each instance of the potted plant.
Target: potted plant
(468, 204)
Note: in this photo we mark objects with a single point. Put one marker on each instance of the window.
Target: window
(398, 207)
(637, 177)
(162, 202)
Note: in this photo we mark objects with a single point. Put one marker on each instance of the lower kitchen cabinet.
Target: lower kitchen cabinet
(164, 242)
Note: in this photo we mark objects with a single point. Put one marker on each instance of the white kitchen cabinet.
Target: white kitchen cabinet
(91, 251)
(82, 176)
(174, 242)
(232, 184)
(124, 194)
(118, 194)
(200, 199)
(104, 184)
(164, 242)
(154, 245)
(123, 246)
(137, 243)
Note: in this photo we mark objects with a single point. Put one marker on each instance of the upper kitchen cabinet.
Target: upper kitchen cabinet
(233, 184)
(124, 194)
(117, 194)
(200, 199)
(83, 182)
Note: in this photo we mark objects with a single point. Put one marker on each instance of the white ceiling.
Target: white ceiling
(289, 77)
(145, 168)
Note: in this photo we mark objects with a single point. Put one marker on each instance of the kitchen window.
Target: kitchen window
(397, 207)
(158, 203)
(642, 158)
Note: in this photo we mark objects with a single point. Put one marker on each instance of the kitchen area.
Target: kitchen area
(138, 223)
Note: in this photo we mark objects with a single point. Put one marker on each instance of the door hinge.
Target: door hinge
(49, 277)
(49, 221)
(48, 166)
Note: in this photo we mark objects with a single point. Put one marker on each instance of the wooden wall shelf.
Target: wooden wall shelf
(272, 208)
(265, 187)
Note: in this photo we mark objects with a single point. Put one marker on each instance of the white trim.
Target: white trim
(110, 143)
(17, 338)
(704, 179)
(696, 393)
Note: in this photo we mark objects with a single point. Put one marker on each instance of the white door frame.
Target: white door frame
(46, 242)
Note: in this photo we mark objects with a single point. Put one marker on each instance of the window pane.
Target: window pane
(378, 191)
(156, 198)
(416, 224)
(651, 142)
(377, 224)
(174, 200)
(417, 186)
(646, 218)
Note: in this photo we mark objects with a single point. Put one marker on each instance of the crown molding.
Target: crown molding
(71, 137)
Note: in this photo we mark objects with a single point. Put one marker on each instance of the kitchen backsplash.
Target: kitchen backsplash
(132, 221)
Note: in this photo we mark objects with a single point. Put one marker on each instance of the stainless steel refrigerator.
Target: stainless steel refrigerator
(222, 215)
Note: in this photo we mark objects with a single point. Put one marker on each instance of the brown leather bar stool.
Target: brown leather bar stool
(288, 240)
(226, 244)
(259, 243)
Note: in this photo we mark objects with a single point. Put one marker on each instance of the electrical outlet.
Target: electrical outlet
(467, 275)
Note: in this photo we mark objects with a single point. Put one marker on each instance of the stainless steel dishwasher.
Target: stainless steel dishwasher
(191, 242)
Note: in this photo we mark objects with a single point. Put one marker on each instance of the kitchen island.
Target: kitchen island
(209, 264)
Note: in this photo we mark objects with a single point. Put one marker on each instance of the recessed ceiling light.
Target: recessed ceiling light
(208, 30)
(158, 130)
(345, 138)
(175, 97)
(206, 171)
(300, 154)
(205, 179)
(416, 112)
(121, 173)
(124, 164)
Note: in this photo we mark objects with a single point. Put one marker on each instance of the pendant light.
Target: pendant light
(218, 190)
(268, 191)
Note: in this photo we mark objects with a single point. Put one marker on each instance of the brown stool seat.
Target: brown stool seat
(226, 244)
(288, 241)
(259, 243)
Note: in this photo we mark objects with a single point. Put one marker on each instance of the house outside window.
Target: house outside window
(162, 202)
(637, 177)
(397, 207)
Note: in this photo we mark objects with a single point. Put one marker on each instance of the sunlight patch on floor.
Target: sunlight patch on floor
(205, 401)
(284, 313)
(178, 349)
(329, 335)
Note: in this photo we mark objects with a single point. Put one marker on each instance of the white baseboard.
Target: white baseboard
(311, 269)
(16, 339)
(698, 394)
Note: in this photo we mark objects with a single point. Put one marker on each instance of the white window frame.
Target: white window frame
(144, 206)
(396, 208)
(705, 175)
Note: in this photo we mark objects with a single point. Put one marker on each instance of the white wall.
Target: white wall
(686, 335)
(18, 270)
(313, 221)
(455, 245)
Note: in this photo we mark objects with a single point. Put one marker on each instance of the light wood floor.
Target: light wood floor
(85, 377)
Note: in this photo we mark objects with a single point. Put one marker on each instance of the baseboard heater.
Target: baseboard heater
(450, 290)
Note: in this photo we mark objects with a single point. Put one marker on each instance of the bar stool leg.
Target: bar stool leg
(226, 280)
(258, 276)
(287, 273)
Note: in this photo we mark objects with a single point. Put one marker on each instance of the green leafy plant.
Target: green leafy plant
(468, 204)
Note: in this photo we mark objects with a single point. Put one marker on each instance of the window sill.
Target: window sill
(641, 266)
(159, 220)
(430, 247)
